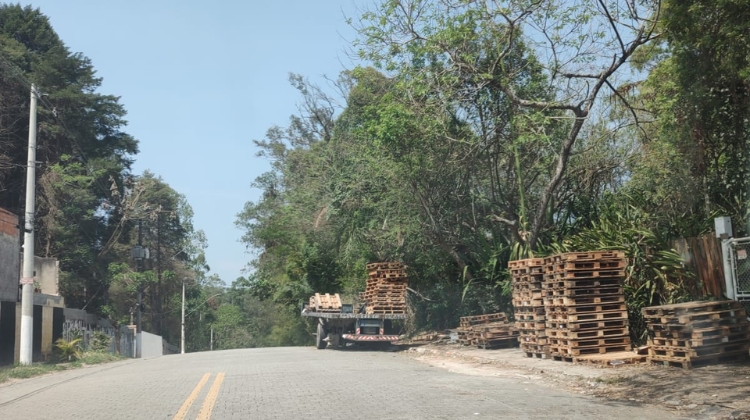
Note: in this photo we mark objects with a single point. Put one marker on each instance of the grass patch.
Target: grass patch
(22, 372)
(38, 369)
(95, 358)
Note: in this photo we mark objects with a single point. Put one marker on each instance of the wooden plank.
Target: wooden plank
(570, 343)
(686, 364)
(589, 308)
(589, 325)
(692, 353)
(569, 334)
(585, 283)
(656, 312)
(698, 342)
(583, 300)
(592, 316)
(610, 359)
(577, 351)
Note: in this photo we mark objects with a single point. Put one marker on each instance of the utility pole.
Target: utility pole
(182, 335)
(212, 338)
(139, 254)
(27, 278)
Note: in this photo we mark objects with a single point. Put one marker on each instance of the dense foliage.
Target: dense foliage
(480, 131)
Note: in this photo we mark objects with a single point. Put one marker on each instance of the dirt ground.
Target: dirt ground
(720, 392)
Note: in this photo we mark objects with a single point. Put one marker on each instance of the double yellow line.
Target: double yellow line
(208, 403)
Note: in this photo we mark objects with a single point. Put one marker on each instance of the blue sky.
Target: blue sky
(200, 80)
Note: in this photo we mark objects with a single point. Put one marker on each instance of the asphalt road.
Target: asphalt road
(294, 383)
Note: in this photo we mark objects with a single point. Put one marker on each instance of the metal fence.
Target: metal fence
(740, 261)
(74, 329)
(740, 257)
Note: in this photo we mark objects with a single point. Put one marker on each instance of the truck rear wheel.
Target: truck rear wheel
(319, 342)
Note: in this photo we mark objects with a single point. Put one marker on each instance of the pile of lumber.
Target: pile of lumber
(697, 333)
(490, 331)
(528, 278)
(385, 292)
(584, 304)
(325, 303)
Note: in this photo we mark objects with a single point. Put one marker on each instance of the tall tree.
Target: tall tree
(582, 46)
(84, 155)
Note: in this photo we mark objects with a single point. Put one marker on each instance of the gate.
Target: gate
(739, 258)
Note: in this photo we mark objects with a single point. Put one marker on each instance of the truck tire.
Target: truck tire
(319, 342)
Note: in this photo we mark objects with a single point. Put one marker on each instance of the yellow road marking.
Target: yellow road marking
(213, 394)
(191, 398)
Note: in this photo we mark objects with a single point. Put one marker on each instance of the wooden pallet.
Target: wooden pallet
(691, 333)
(384, 311)
(549, 290)
(570, 343)
(697, 352)
(526, 317)
(483, 319)
(700, 325)
(590, 308)
(584, 300)
(325, 302)
(589, 325)
(689, 307)
(694, 363)
(567, 283)
(593, 255)
(698, 342)
(534, 281)
(614, 358)
(578, 351)
(529, 310)
(591, 316)
(497, 343)
(588, 265)
(385, 266)
(585, 334)
(699, 317)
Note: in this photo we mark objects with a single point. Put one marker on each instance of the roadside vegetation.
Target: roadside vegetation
(477, 132)
(37, 369)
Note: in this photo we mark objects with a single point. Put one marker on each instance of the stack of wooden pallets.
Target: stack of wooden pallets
(585, 306)
(528, 278)
(697, 333)
(325, 303)
(386, 288)
(488, 331)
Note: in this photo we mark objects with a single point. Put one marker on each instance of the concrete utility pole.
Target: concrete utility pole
(27, 278)
(139, 255)
(212, 338)
(182, 335)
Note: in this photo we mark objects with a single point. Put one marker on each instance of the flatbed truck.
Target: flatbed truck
(338, 328)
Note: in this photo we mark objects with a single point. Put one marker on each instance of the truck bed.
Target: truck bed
(341, 315)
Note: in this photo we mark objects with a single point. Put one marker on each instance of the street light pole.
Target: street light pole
(27, 278)
(182, 335)
(139, 254)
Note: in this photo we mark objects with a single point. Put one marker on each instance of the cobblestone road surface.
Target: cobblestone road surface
(294, 383)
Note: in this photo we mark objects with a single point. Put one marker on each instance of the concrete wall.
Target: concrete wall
(152, 345)
(46, 275)
(10, 263)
